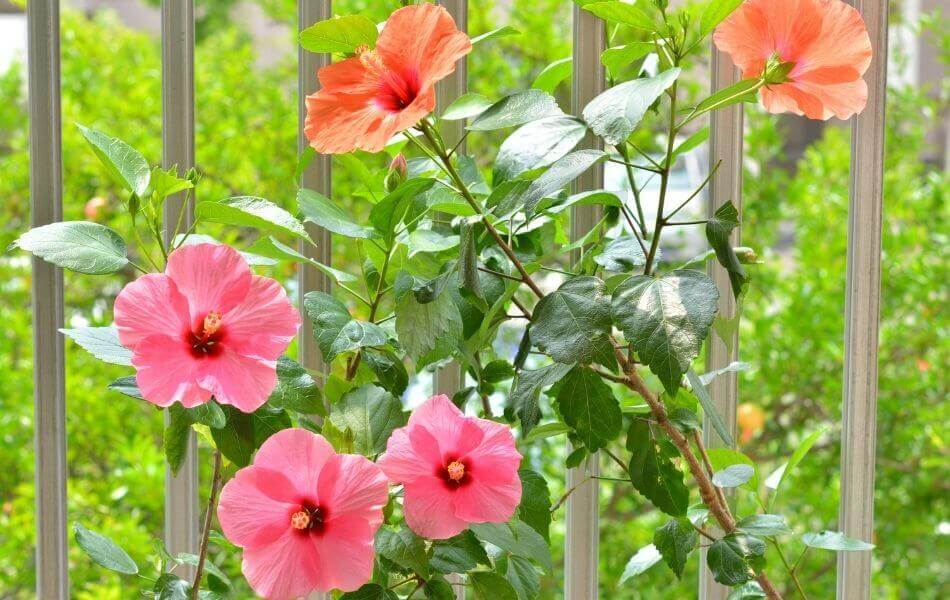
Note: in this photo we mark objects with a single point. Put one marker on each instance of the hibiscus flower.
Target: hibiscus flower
(456, 470)
(365, 100)
(304, 515)
(206, 327)
(826, 41)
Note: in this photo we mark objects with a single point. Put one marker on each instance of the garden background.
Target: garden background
(795, 206)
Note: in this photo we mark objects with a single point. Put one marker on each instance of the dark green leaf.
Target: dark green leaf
(733, 476)
(127, 386)
(389, 212)
(171, 587)
(523, 577)
(273, 248)
(516, 109)
(320, 210)
(666, 320)
(339, 34)
(735, 558)
(558, 176)
(570, 322)
(645, 558)
(296, 389)
(675, 540)
(79, 246)
(685, 419)
(622, 254)
(175, 437)
(370, 591)
(250, 211)
(458, 554)
(430, 240)
(653, 473)
(518, 538)
(438, 589)
(709, 407)
(336, 331)
(470, 285)
(763, 525)
(372, 414)
(553, 74)
(535, 507)
(575, 458)
(245, 432)
(588, 405)
(718, 229)
(614, 114)
(746, 591)
(209, 414)
(835, 540)
(546, 430)
(404, 548)
(428, 331)
(497, 371)
(101, 342)
(126, 166)
(491, 586)
(389, 369)
(103, 551)
(537, 144)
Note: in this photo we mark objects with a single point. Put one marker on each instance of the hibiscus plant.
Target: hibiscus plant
(335, 486)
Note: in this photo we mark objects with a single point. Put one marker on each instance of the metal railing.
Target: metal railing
(581, 551)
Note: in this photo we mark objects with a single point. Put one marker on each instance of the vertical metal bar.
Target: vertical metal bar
(49, 374)
(582, 518)
(182, 514)
(725, 144)
(317, 177)
(862, 310)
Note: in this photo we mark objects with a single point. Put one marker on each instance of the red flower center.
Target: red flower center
(207, 340)
(309, 519)
(396, 90)
(455, 474)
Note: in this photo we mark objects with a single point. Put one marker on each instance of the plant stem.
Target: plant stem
(664, 183)
(206, 531)
(790, 569)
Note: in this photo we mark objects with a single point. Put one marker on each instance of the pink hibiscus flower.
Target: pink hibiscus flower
(206, 327)
(456, 470)
(304, 515)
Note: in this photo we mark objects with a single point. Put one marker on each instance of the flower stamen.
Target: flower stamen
(300, 520)
(456, 470)
(212, 324)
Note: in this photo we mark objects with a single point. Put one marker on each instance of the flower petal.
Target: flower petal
(264, 322)
(496, 459)
(255, 508)
(481, 502)
(345, 551)
(167, 372)
(287, 568)
(244, 382)
(300, 455)
(150, 305)
(351, 485)
(429, 509)
(213, 277)
(422, 38)
(403, 462)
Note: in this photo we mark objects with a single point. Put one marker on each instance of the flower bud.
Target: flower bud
(398, 172)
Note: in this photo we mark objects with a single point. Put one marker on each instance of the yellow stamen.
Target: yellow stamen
(212, 323)
(456, 470)
(300, 520)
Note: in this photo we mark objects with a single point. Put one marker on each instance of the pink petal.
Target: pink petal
(166, 372)
(429, 509)
(150, 305)
(287, 568)
(213, 277)
(299, 454)
(455, 432)
(351, 485)
(264, 322)
(255, 508)
(481, 502)
(411, 452)
(496, 458)
(345, 551)
(244, 382)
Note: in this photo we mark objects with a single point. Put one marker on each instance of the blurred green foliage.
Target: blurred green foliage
(792, 329)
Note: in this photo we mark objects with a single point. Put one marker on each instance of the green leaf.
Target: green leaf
(370, 591)
(523, 577)
(427, 331)
(404, 548)
(622, 254)
(245, 432)
(763, 525)
(516, 109)
(718, 229)
(621, 12)
(126, 386)
(553, 74)
(777, 478)
(500, 32)
(250, 211)
(653, 473)
(518, 538)
(320, 210)
(571, 323)
(674, 541)
(666, 320)
(270, 247)
(103, 551)
(101, 342)
(125, 165)
(614, 114)
(714, 13)
(184, 558)
(339, 34)
(685, 419)
(336, 331)
(171, 587)
(734, 94)
(535, 507)
(296, 389)
(692, 142)
(438, 589)
(619, 57)
(748, 590)
(589, 198)
(564, 170)
(709, 407)
(458, 554)
(491, 586)
(390, 211)
(537, 144)
(470, 283)
(209, 414)
(588, 405)
(372, 414)
(575, 458)
(733, 476)
(389, 369)
(639, 563)
(79, 246)
(734, 559)
(166, 182)
(428, 240)
(466, 106)
(835, 540)
(722, 458)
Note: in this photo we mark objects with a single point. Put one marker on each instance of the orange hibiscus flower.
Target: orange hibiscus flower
(826, 41)
(368, 98)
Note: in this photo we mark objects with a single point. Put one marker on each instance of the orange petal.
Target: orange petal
(422, 38)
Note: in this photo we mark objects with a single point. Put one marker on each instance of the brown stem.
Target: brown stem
(698, 439)
(206, 531)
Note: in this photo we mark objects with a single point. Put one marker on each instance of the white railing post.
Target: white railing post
(862, 310)
(582, 518)
(182, 514)
(49, 389)
(725, 144)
